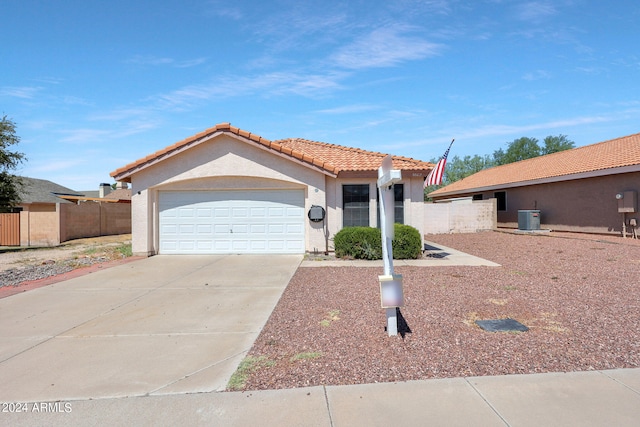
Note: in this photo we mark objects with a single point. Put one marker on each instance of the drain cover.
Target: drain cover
(502, 325)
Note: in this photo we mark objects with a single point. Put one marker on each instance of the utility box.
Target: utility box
(529, 220)
(627, 201)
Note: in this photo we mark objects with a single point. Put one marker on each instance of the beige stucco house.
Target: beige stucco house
(226, 190)
(591, 189)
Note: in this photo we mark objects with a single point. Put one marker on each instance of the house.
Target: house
(49, 214)
(575, 190)
(226, 190)
(121, 193)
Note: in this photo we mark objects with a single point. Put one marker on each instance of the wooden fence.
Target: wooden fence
(10, 229)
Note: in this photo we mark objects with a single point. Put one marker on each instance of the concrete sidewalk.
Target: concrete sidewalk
(595, 398)
(437, 255)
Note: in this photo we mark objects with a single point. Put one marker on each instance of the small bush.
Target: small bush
(366, 243)
(358, 243)
(406, 242)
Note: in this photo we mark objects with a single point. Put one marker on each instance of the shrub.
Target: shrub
(358, 243)
(366, 243)
(406, 242)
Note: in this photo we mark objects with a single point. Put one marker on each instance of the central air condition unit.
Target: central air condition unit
(529, 220)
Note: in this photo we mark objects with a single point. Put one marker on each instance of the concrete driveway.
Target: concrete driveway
(161, 325)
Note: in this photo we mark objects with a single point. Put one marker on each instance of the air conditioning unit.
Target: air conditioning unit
(529, 220)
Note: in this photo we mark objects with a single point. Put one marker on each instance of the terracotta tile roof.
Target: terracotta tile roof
(350, 159)
(330, 158)
(603, 156)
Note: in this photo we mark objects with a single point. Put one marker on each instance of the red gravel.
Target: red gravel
(579, 295)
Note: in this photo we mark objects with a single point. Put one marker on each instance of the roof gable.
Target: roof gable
(328, 158)
(602, 158)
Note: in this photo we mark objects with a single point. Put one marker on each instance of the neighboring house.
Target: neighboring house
(50, 214)
(226, 190)
(122, 192)
(575, 190)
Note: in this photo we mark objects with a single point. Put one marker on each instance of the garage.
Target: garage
(238, 221)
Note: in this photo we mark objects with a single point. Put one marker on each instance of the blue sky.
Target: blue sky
(93, 85)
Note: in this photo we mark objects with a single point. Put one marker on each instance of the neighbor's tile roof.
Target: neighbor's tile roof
(615, 153)
(328, 157)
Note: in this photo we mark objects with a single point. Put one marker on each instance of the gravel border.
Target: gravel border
(578, 294)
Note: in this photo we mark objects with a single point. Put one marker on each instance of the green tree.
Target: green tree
(458, 168)
(553, 144)
(518, 149)
(9, 161)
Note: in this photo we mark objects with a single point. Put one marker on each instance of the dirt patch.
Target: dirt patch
(12, 257)
(28, 267)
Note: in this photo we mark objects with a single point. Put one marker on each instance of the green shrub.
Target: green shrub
(406, 242)
(366, 243)
(358, 243)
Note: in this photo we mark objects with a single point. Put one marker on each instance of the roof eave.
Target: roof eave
(548, 180)
(124, 174)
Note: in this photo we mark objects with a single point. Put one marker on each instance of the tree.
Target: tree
(553, 144)
(458, 169)
(518, 149)
(9, 160)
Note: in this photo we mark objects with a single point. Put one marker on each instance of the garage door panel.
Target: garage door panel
(205, 213)
(241, 229)
(232, 222)
(294, 229)
(258, 213)
(205, 229)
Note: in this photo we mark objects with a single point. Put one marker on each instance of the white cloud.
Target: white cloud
(149, 60)
(535, 10)
(52, 165)
(159, 61)
(347, 109)
(384, 47)
(536, 75)
(190, 62)
(84, 135)
(224, 9)
(24, 92)
(268, 84)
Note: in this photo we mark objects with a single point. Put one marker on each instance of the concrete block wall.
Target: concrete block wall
(463, 216)
(91, 219)
(39, 225)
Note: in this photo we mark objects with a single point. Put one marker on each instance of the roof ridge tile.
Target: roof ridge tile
(333, 158)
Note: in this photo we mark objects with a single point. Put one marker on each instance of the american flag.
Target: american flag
(436, 174)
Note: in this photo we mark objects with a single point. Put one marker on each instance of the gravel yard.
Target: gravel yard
(578, 294)
(22, 265)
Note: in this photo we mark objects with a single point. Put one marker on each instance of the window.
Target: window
(398, 205)
(501, 196)
(355, 205)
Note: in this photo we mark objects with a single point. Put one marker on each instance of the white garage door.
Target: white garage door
(223, 222)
